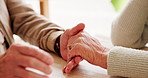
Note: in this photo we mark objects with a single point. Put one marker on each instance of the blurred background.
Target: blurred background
(97, 15)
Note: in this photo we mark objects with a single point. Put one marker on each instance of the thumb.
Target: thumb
(75, 30)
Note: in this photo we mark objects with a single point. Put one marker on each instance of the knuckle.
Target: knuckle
(80, 35)
(80, 39)
(77, 45)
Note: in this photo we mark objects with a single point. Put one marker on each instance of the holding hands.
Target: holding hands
(75, 45)
(64, 47)
(82, 46)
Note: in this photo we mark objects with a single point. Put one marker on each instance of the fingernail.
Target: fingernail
(64, 69)
(67, 69)
(49, 70)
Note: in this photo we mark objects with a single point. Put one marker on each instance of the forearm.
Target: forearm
(128, 62)
(31, 26)
(129, 29)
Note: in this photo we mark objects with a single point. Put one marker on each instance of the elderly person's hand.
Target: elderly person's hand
(87, 47)
(18, 57)
(64, 42)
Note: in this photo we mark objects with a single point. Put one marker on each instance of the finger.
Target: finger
(34, 52)
(70, 32)
(75, 51)
(22, 73)
(78, 59)
(65, 37)
(26, 61)
(69, 66)
(72, 64)
(75, 30)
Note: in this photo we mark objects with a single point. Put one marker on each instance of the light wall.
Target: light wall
(96, 14)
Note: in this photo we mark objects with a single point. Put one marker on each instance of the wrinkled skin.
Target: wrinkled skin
(63, 46)
(14, 62)
(87, 47)
(80, 45)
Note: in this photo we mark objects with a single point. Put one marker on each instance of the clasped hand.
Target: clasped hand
(81, 46)
(75, 45)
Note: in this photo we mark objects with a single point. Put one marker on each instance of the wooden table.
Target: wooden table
(83, 70)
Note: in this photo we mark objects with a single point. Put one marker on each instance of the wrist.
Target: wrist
(57, 46)
(103, 58)
(104, 61)
(105, 50)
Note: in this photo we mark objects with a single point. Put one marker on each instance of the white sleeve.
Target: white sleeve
(128, 62)
(130, 29)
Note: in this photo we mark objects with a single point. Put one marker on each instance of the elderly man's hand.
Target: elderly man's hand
(84, 46)
(63, 45)
(18, 57)
(66, 36)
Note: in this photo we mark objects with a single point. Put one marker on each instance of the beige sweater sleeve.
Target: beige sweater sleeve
(31, 26)
(130, 29)
(128, 62)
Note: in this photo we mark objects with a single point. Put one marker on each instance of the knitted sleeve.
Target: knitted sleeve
(128, 62)
(130, 29)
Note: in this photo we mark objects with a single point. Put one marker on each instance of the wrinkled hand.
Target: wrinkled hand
(14, 62)
(63, 46)
(85, 46)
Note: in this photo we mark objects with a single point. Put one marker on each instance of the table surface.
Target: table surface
(83, 70)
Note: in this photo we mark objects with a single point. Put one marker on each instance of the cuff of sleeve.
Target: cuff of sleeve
(112, 61)
(51, 40)
(127, 62)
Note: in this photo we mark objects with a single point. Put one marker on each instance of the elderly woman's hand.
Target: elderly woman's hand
(66, 36)
(84, 46)
(64, 42)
